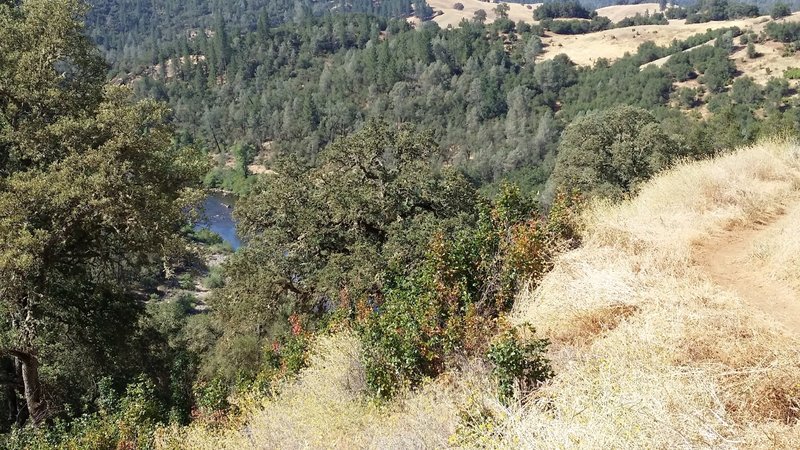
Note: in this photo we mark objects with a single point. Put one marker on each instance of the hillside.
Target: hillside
(652, 345)
(452, 17)
(269, 226)
(613, 44)
(586, 49)
(619, 12)
(654, 337)
(771, 59)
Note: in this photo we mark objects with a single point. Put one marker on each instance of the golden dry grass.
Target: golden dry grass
(648, 352)
(586, 49)
(694, 365)
(770, 64)
(778, 250)
(619, 12)
(327, 408)
(451, 17)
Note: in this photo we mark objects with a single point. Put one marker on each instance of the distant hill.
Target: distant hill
(130, 31)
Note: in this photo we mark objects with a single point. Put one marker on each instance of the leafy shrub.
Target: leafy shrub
(519, 362)
(215, 278)
(469, 277)
(745, 91)
(751, 51)
(780, 10)
(407, 339)
(783, 32)
(139, 412)
(287, 358)
(458, 6)
(186, 280)
(206, 236)
(211, 396)
(121, 423)
(687, 97)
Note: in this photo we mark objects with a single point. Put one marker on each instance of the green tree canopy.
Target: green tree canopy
(324, 237)
(780, 10)
(609, 152)
(92, 190)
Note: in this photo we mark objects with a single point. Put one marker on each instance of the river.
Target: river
(217, 211)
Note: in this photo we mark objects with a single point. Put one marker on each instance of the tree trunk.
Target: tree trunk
(37, 409)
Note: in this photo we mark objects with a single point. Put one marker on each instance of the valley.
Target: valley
(399, 224)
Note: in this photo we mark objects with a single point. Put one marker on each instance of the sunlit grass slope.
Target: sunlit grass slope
(648, 352)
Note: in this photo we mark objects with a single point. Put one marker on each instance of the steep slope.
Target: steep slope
(651, 348)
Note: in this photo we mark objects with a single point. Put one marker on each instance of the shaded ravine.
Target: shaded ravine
(726, 259)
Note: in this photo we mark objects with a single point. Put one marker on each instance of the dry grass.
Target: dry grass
(619, 12)
(327, 408)
(451, 17)
(648, 353)
(778, 251)
(694, 365)
(770, 64)
(586, 49)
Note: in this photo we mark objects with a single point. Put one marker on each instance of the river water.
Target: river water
(217, 216)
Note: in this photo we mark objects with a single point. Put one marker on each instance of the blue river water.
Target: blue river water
(217, 216)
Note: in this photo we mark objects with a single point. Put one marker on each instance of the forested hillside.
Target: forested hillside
(131, 32)
(493, 106)
(400, 187)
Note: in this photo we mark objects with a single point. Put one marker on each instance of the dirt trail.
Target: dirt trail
(726, 259)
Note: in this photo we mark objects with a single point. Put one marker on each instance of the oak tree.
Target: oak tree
(92, 190)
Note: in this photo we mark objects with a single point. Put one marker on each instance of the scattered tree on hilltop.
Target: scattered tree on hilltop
(562, 9)
(780, 10)
(501, 10)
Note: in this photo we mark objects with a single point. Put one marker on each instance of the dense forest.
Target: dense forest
(493, 107)
(135, 31)
(417, 179)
